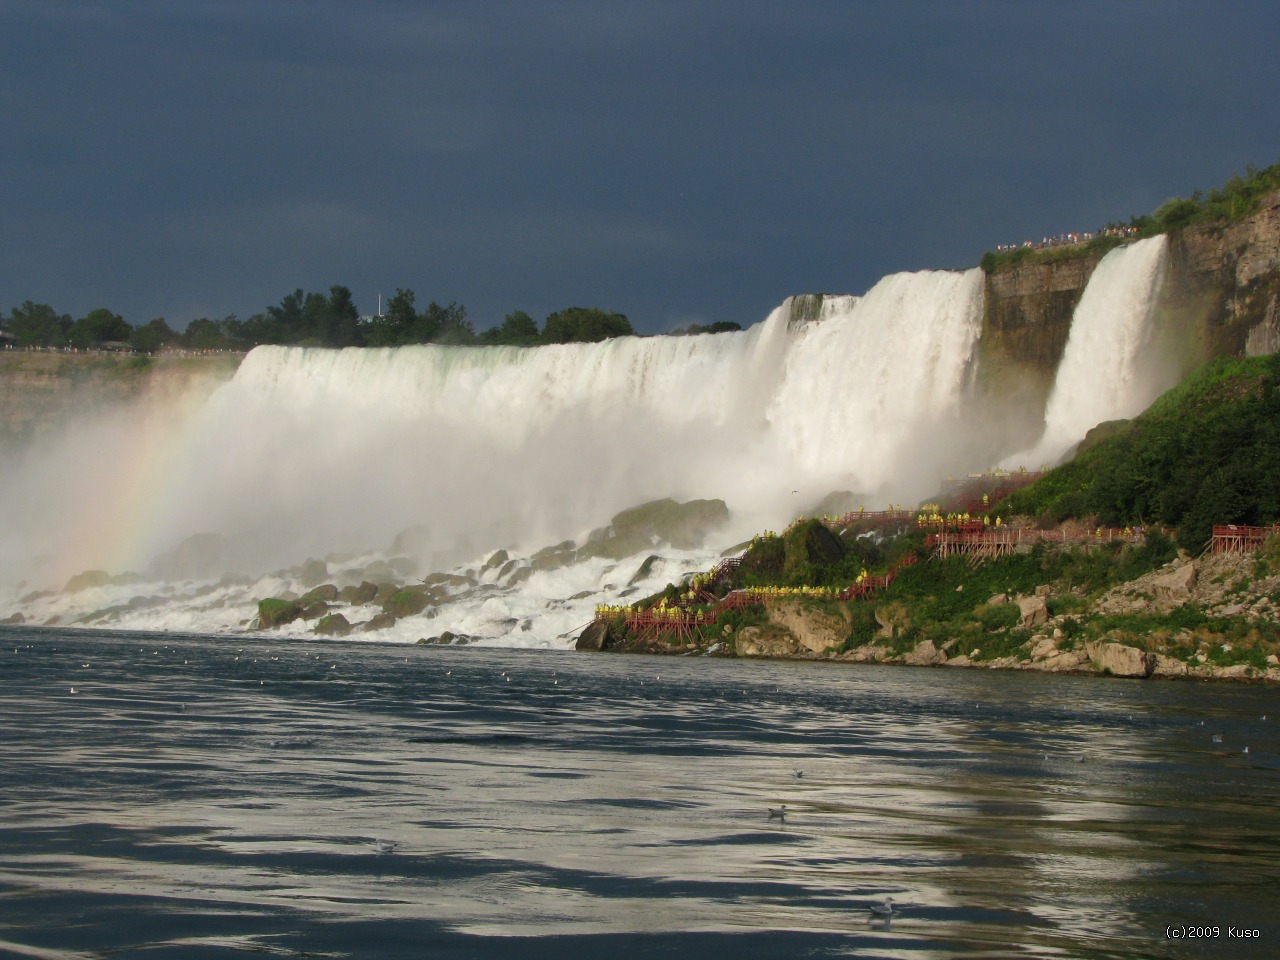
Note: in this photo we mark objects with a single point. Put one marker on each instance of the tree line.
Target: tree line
(318, 320)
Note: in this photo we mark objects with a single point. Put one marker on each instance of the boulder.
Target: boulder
(87, 580)
(594, 637)
(645, 570)
(998, 599)
(359, 596)
(1237, 671)
(313, 573)
(813, 629)
(314, 610)
(1176, 585)
(891, 617)
(553, 558)
(683, 525)
(379, 622)
(1043, 649)
(1120, 660)
(275, 612)
(495, 561)
(1034, 611)
(768, 641)
(326, 592)
(333, 625)
(1170, 667)
(406, 603)
(1064, 662)
(925, 654)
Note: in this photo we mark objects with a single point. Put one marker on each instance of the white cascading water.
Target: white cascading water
(1102, 375)
(332, 454)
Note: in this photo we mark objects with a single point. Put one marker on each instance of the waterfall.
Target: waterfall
(1104, 373)
(308, 452)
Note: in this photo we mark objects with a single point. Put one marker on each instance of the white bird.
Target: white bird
(778, 813)
(384, 846)
(1246, 749)
(884, 910)
(1217, 738)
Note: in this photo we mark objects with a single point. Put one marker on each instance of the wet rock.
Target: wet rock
(379, 622)
(367, 592)
(313, 573)
(644, 570)
(314, 610)
(495, 561)
(594, 637)
(406, 602)
(87, 581)
(276, 612)
(326, 592)
(333, 625)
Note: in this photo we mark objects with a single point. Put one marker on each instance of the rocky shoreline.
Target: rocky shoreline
(1222, 587)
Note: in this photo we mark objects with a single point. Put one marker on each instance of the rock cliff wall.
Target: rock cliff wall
(41, 389)
(1221, 296)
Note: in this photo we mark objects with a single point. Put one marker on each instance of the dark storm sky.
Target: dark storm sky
(675, 162)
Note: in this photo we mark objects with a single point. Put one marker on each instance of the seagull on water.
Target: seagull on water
(883, 910)
(778, 813)
(384, 846)
(1217, 738)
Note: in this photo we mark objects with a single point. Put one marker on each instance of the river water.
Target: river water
(199, 797)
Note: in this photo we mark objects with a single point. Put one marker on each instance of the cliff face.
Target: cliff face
(41, 389)
(1221, 296)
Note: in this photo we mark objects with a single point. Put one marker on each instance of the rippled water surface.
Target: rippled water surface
(178, 796)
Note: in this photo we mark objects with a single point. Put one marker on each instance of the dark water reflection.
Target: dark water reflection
(217, 797)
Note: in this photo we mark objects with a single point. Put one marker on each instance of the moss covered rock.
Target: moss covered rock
(275, 612)
(332, 625)
(366, 592)
(406, 602)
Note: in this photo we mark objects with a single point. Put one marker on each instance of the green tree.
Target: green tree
(517, 329)
(38, 325)
(289, 322)
(449, 325)
(204, 334)
(584, 325)
(99, 326)
(153, 336)
(396, 325)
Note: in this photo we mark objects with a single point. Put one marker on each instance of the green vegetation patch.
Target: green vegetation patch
(1206, 452)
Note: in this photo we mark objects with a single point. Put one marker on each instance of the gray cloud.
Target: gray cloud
(668, 160)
